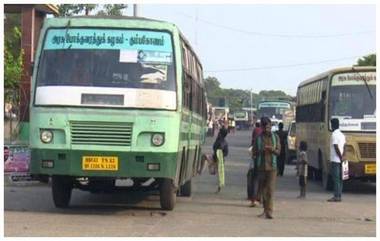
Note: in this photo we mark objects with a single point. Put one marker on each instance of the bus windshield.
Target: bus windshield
(270, 109)
(241, 115)
(107, 58)
(352, 101)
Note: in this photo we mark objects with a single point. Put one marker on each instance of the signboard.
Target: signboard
(354, 79)
(274, 105)
(134, 45)
(79, 38)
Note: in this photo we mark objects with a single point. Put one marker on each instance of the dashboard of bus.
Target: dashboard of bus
(106, 67)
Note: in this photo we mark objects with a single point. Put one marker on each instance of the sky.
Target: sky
(271, 47)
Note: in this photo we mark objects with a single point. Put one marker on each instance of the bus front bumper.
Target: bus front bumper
(366, 170)
(129, 164)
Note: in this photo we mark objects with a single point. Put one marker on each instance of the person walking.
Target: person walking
(253, 187)
(283, 135)
(302, 168)
(220, 148)
(265, 151)
(338, 140)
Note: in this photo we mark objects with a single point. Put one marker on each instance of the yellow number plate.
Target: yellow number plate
(100, 163)
(370, 168)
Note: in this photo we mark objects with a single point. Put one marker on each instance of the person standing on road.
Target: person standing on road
(283, 135)
(302, 168)
(254, 189)
(265, 151)
(220, 148)
(338, 140)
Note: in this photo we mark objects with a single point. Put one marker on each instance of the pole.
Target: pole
(135, 10)
(251, 110)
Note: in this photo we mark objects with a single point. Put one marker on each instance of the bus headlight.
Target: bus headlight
(349, 153)
(46, 136)
(158, 139)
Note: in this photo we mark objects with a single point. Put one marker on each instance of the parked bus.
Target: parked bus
(221, 113)
(277, 110)
(241, 120)
(348, 94)
(116, 98)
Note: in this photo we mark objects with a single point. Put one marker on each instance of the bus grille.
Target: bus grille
(101, 133)
(367, 150)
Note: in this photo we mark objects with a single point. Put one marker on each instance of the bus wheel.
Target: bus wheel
(186, 189)
(61, 188)
(167, 194)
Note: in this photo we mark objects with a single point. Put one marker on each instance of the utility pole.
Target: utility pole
(251, 109)
(135, 12)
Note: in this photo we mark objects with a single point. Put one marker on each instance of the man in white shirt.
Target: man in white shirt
(338, 140)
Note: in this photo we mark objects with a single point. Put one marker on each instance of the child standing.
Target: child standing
(302, 168)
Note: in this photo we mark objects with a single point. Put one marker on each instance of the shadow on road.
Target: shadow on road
(358, 187)
(133, 203)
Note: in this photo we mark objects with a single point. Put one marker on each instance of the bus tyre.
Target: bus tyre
(61, 188)
(186, 189)
(167, 194)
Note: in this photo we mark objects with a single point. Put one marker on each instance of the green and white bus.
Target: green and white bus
(116, 98)
(277, 110)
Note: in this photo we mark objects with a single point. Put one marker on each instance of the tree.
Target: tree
(13, 54)
(237, 98)
(66, 10)
(112, 10)
(369, 60)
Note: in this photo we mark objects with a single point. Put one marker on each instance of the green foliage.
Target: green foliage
(237, 98)
(11, 39)
(66, 10)
(112, 10)
(369, 60)
(12, 59)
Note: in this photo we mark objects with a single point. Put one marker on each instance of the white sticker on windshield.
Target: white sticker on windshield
(128, 56)
(155, 57)
(154, 74)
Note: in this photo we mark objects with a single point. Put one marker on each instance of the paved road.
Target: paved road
(29, 209)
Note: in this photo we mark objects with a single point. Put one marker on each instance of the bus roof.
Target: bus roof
(112, 17)
(335, 71)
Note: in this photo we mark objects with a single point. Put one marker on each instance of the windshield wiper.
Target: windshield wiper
(365, 82)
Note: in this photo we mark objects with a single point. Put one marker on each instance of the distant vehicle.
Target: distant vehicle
(276, 110)
(136, 109)
(241, 120)
(348, 94)
(275, 123)
(291, 148)
(221, 112)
